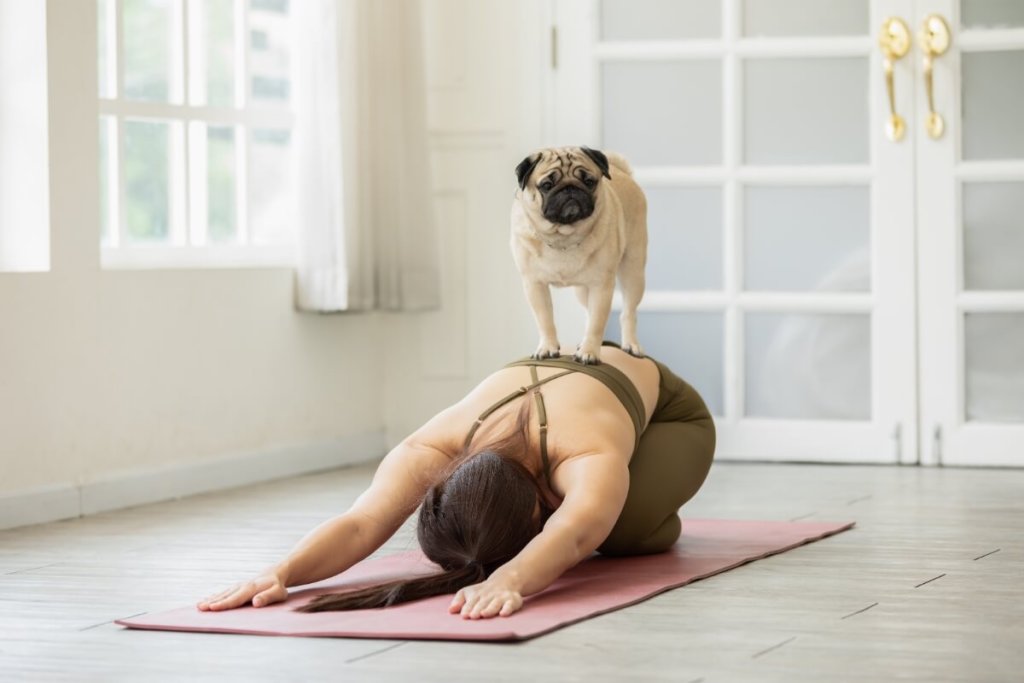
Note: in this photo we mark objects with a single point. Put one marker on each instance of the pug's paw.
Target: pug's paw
(588, 353)
(633, 349)
(547, 349)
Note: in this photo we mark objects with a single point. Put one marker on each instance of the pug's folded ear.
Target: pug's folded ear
(598, 157)
(525, 168)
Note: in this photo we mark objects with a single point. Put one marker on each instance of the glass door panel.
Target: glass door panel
(808, 366)
(788, 18)
(685, 226)
(993, 235)
(994, 385)
(976, 14)
(804, 239)
(805, 111)
(663, 113)
(660, 19)
(992, 97)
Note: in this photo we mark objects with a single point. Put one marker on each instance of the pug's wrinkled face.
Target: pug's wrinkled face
(566, 180)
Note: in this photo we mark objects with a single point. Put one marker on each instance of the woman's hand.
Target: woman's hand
(263, 590)
(494, 597)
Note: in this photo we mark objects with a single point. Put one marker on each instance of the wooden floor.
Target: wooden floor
(928, 587)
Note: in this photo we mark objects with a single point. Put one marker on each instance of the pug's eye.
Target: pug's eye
(546, 185)
(590, 181)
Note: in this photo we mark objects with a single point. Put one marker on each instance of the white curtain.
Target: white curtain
(366, 232)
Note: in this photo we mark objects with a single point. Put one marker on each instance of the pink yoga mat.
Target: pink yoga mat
(598, 585)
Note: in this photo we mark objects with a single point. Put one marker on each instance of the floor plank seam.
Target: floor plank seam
(987, 554)
(865, 609)
(934, 578)
(772, 648)
(376, 652)
(858, 500)
(30, 569)
(111, 621)
(797, 519)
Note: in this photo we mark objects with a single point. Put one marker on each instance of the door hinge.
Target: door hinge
(897, 437)
(554, 47)
(937, 445)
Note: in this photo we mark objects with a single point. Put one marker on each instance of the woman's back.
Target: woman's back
(584, 416)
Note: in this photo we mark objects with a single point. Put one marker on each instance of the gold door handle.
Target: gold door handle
(894, 40)
(934, 39)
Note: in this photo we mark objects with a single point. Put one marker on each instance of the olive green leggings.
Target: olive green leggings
(669, 466)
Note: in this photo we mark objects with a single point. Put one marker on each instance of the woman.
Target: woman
(574, 458)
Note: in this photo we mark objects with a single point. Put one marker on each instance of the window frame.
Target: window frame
(187, 245)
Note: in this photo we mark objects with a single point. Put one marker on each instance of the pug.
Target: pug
(579, 219)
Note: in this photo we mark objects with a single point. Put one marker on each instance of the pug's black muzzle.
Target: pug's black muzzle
(568, 205)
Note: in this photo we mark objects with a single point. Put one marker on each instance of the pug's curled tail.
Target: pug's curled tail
(619, 163)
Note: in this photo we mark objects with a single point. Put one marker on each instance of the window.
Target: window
(195, 132)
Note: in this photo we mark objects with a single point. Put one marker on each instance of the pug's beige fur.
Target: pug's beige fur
(586, 254)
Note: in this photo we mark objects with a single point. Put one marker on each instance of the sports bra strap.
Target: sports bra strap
(542, 416)
(541, 411)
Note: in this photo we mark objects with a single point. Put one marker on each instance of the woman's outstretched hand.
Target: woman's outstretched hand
(491, 598)
(261, 591)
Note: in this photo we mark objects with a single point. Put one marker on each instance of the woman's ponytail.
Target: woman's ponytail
(396, 592)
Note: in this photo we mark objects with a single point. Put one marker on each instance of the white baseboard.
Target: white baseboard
(45, 504)
(151, 485)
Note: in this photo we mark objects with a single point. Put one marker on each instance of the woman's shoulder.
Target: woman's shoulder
(447, 429)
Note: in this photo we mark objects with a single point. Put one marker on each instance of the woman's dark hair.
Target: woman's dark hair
(470, 524)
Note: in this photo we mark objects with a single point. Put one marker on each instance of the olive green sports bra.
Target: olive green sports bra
(610, 376)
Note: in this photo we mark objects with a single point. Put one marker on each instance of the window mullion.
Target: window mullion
(241, 61)
(242, 184)
(119, 235)
(242, 132)
(118, 41)
(179, 84)
(197, 189)
(180, 133)
(112, 128)
(179, 138)
(196, 63)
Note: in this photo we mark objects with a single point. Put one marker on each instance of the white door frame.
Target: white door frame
(572, 117)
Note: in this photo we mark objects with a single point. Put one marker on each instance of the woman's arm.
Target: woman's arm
(398, 486)
(595, 491)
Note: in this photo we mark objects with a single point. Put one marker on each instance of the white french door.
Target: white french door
(970, 217)
(780, 274)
